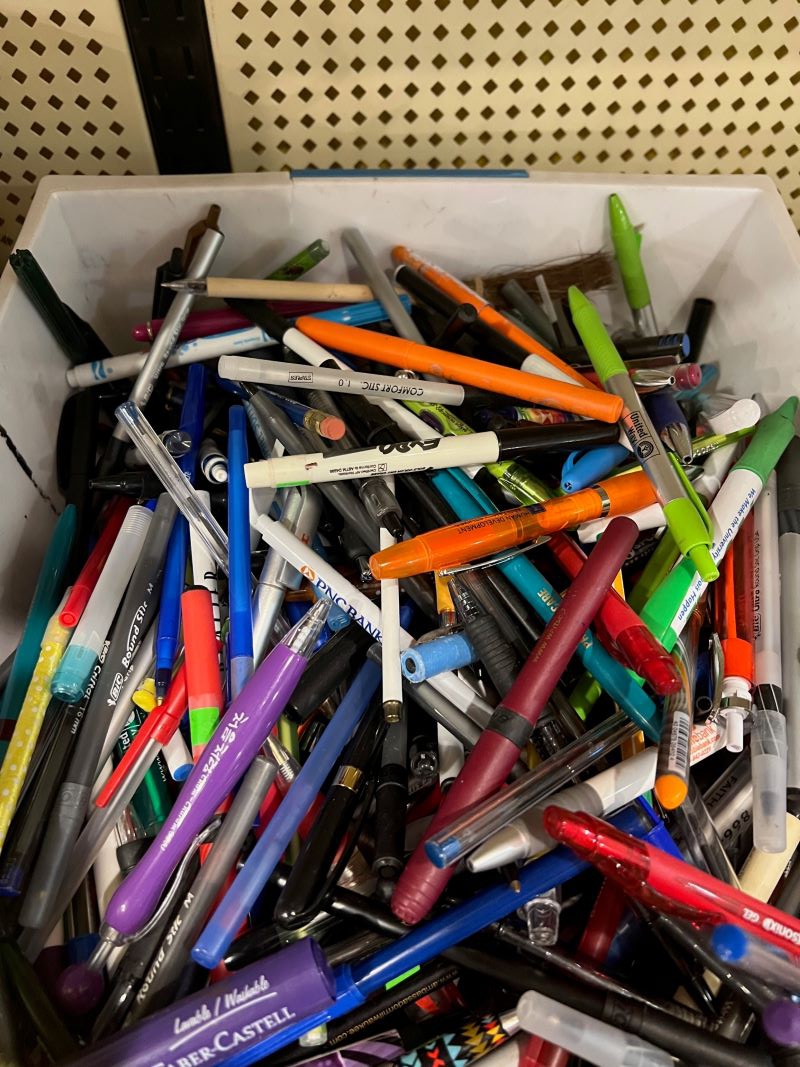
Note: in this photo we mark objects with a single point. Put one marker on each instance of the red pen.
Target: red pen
(201, 657)
(87, 579)
(666, 883)
(221, 320)
(509, 729)
(159, 726)
(620, 629)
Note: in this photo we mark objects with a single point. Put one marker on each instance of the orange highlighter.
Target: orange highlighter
(397, 352)
(461, 542)
(488, 314)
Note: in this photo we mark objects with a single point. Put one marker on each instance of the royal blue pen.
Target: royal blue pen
(591, 465)
(240, 640)
(469, 502)
(169, 619)
(354, 983)
(227, 918)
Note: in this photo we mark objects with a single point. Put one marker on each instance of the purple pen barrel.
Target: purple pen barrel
(235, 743)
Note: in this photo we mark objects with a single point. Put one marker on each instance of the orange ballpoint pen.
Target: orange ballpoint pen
(397, 352)
(488, 314)
(461, 542)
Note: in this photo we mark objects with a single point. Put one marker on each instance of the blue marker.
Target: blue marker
(240, 646)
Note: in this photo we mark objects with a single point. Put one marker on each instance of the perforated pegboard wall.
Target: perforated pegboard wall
(69, 101)
(633, 85)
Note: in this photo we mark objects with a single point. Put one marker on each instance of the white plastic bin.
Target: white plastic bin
(100, 239)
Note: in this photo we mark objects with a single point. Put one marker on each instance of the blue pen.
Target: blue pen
(356, 982)
(223, 925)
(468, 502)
(590, 465)
(240, 645)
(169, 618)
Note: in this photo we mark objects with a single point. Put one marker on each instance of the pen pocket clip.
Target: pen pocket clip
(493, 561)
(717, 676)
(699, 506)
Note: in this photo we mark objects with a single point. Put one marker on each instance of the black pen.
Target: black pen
(315, 870)
(391, 800)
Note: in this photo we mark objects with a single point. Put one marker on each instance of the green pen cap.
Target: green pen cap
(770, 440)
(600, 349)
(627, 243)
(661, 608)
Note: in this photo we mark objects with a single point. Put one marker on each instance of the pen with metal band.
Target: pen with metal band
(494, 755)
(311, 418)
(159, 980)
(625, 630)
(240, 638)
(668, 607)
(335, 380)
(17, 759)
(470, 502)
(410, 456)
(460, 293)
(235, 743)
(684, 511)
(186, 497)
(768, 743)
(46, 598)
(482, 630)
(265, 289)
(649, 874)
(524, 837)
(314, 868)
(788, 475)
(397, 352)
(391, 674)
(669, 421)
(239, 898)
(87, 579)
(627, 244)
(207, 248)
(134, 619)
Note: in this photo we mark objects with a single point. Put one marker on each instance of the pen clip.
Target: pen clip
(717, 675)
(700, 507)
(493, 561)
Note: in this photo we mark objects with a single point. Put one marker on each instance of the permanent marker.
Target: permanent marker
(408, 456)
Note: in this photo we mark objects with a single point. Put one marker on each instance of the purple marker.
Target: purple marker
(234, 745)
(225, 1018)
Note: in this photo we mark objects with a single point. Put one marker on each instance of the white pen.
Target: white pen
(335, 380)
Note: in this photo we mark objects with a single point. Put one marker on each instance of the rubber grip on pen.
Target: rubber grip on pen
(497, 656)
(63, 828)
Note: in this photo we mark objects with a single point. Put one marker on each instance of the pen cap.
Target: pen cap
(626, 246)
(768, 747)
(200, 650)
(773, 435)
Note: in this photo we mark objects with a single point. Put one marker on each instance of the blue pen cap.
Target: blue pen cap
(590, 465)
(338, 618)
(440, 654)
(729, 943)
(73, 674)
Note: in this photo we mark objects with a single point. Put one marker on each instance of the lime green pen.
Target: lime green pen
(669, 607)
(512, 476)
(627, 248)
(683, 509)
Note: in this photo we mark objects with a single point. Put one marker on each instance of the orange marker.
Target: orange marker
(398, 352)
(461, 542)
(488, 314)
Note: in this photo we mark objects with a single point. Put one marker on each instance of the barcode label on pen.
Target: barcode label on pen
(679, 744)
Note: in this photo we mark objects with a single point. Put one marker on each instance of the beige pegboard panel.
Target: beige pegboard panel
(681, 86)
(69, 100)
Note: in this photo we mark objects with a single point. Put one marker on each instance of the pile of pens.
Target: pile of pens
(413, 676)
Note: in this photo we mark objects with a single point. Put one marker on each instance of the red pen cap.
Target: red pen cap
(84, 584)
(160, 725)
(201, 649)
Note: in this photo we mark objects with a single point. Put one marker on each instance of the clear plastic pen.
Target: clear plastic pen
(475, 825)
(186, 497)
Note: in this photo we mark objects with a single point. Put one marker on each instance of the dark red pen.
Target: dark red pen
(617, 622)
(507, 733)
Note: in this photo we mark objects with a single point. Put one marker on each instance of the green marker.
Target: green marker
(627, 248)
(684, 511)
(301, 263)
(670, 606)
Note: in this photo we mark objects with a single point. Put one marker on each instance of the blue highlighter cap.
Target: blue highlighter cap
(73, 674)
(729, 943)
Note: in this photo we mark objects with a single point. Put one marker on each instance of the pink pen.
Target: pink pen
(221, 320)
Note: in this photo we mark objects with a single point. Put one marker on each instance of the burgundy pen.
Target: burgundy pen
(509, 729)
(233, 746)
(221, 320)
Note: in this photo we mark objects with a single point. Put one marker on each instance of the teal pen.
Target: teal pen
(468, 502)
(46, 597)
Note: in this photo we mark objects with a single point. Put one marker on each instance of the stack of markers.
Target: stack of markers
(408, 679)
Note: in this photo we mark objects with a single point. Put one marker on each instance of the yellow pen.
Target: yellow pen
(29, 722)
